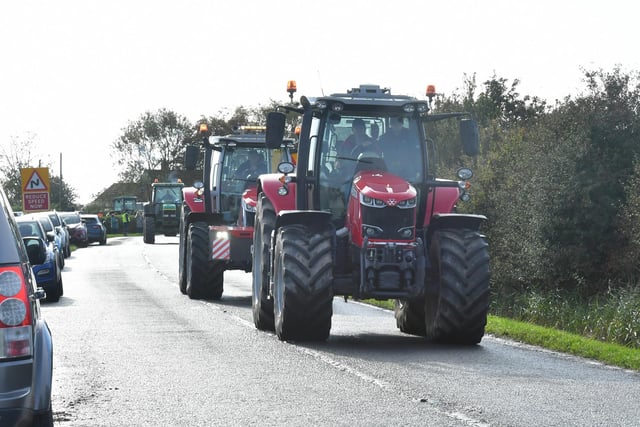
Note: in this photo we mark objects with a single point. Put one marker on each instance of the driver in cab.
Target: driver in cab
(252, 167)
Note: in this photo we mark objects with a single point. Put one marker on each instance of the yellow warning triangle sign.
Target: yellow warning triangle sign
(35, 183)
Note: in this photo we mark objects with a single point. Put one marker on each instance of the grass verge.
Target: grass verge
(553, 339)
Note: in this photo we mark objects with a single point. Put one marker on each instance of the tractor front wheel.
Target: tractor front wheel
(204, 276)
(303, 294)
(149, 230)
(182, 256)
(457, 312)
(261, 304)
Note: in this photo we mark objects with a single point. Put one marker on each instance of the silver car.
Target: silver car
(26, 349)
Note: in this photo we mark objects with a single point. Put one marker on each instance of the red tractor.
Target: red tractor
(216, 224)
(363, 215)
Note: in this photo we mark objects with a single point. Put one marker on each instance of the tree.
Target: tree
(69, 195)
(18, 155)
(155, 141)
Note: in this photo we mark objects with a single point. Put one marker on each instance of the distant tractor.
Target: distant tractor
(162, 214)
(367, 217)
(216, 229)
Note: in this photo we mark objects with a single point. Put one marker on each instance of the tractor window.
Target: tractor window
(401, 148)
(393, 139)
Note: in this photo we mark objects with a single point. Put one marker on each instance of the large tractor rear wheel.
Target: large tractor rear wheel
(303, 275)
(204, 276)
(261, 304)
(182, 253)
(457, 313)
(410, 316)
(149, 230)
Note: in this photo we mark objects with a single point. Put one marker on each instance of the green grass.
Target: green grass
(553, 339)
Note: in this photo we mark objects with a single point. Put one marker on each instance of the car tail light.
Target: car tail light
(15, 316)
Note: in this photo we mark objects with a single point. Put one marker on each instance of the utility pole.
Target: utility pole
(61, 186)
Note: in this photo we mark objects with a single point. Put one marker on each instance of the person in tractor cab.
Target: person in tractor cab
(358, 135)
(399, 148)
(252, 167)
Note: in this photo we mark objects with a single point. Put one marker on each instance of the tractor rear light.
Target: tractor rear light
(16, 342)
(222, 235)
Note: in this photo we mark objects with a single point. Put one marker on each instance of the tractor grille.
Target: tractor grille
(390, 223)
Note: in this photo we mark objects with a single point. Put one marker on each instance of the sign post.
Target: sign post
(35, 189)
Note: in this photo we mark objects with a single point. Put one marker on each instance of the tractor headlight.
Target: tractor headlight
(371, 201)
(408, 204)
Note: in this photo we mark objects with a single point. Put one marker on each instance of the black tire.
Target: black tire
(182, 253)
(149, 230)
(457, 314)
(56, 291)
(261, 304)
(43, 419)
(303, 276)
(410, 316)
(204, 277)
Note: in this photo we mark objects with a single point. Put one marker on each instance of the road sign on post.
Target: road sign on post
(35, 189)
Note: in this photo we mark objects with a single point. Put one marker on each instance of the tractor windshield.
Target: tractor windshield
(387, 142)
(168, 194)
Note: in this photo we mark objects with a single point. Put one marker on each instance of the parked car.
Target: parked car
(77, 228)
(26, 346)
(48, 273)
(96, 231)
(63, 230)
(49, 228)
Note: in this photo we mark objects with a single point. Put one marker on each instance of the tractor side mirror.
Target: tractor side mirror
(191, 157)
(275, 129)
(469, 136)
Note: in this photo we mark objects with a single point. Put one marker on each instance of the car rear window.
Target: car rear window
(30, 228)
(71, 218)
(90, 219)
(8, 246)
(46, 224)
(54, 219)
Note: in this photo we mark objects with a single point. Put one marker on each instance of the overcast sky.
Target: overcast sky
(74, 73)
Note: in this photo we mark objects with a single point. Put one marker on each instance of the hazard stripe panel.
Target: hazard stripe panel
(221, 249)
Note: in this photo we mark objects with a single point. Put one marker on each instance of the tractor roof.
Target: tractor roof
(364, 98)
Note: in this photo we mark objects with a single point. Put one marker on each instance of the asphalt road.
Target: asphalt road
(131, 350)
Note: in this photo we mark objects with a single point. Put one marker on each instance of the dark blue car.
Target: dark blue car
(96, 231)
(48, 274)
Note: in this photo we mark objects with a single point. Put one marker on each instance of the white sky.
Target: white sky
(75, 72)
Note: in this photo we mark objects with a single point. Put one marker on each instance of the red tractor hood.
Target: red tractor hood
(384, 186)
